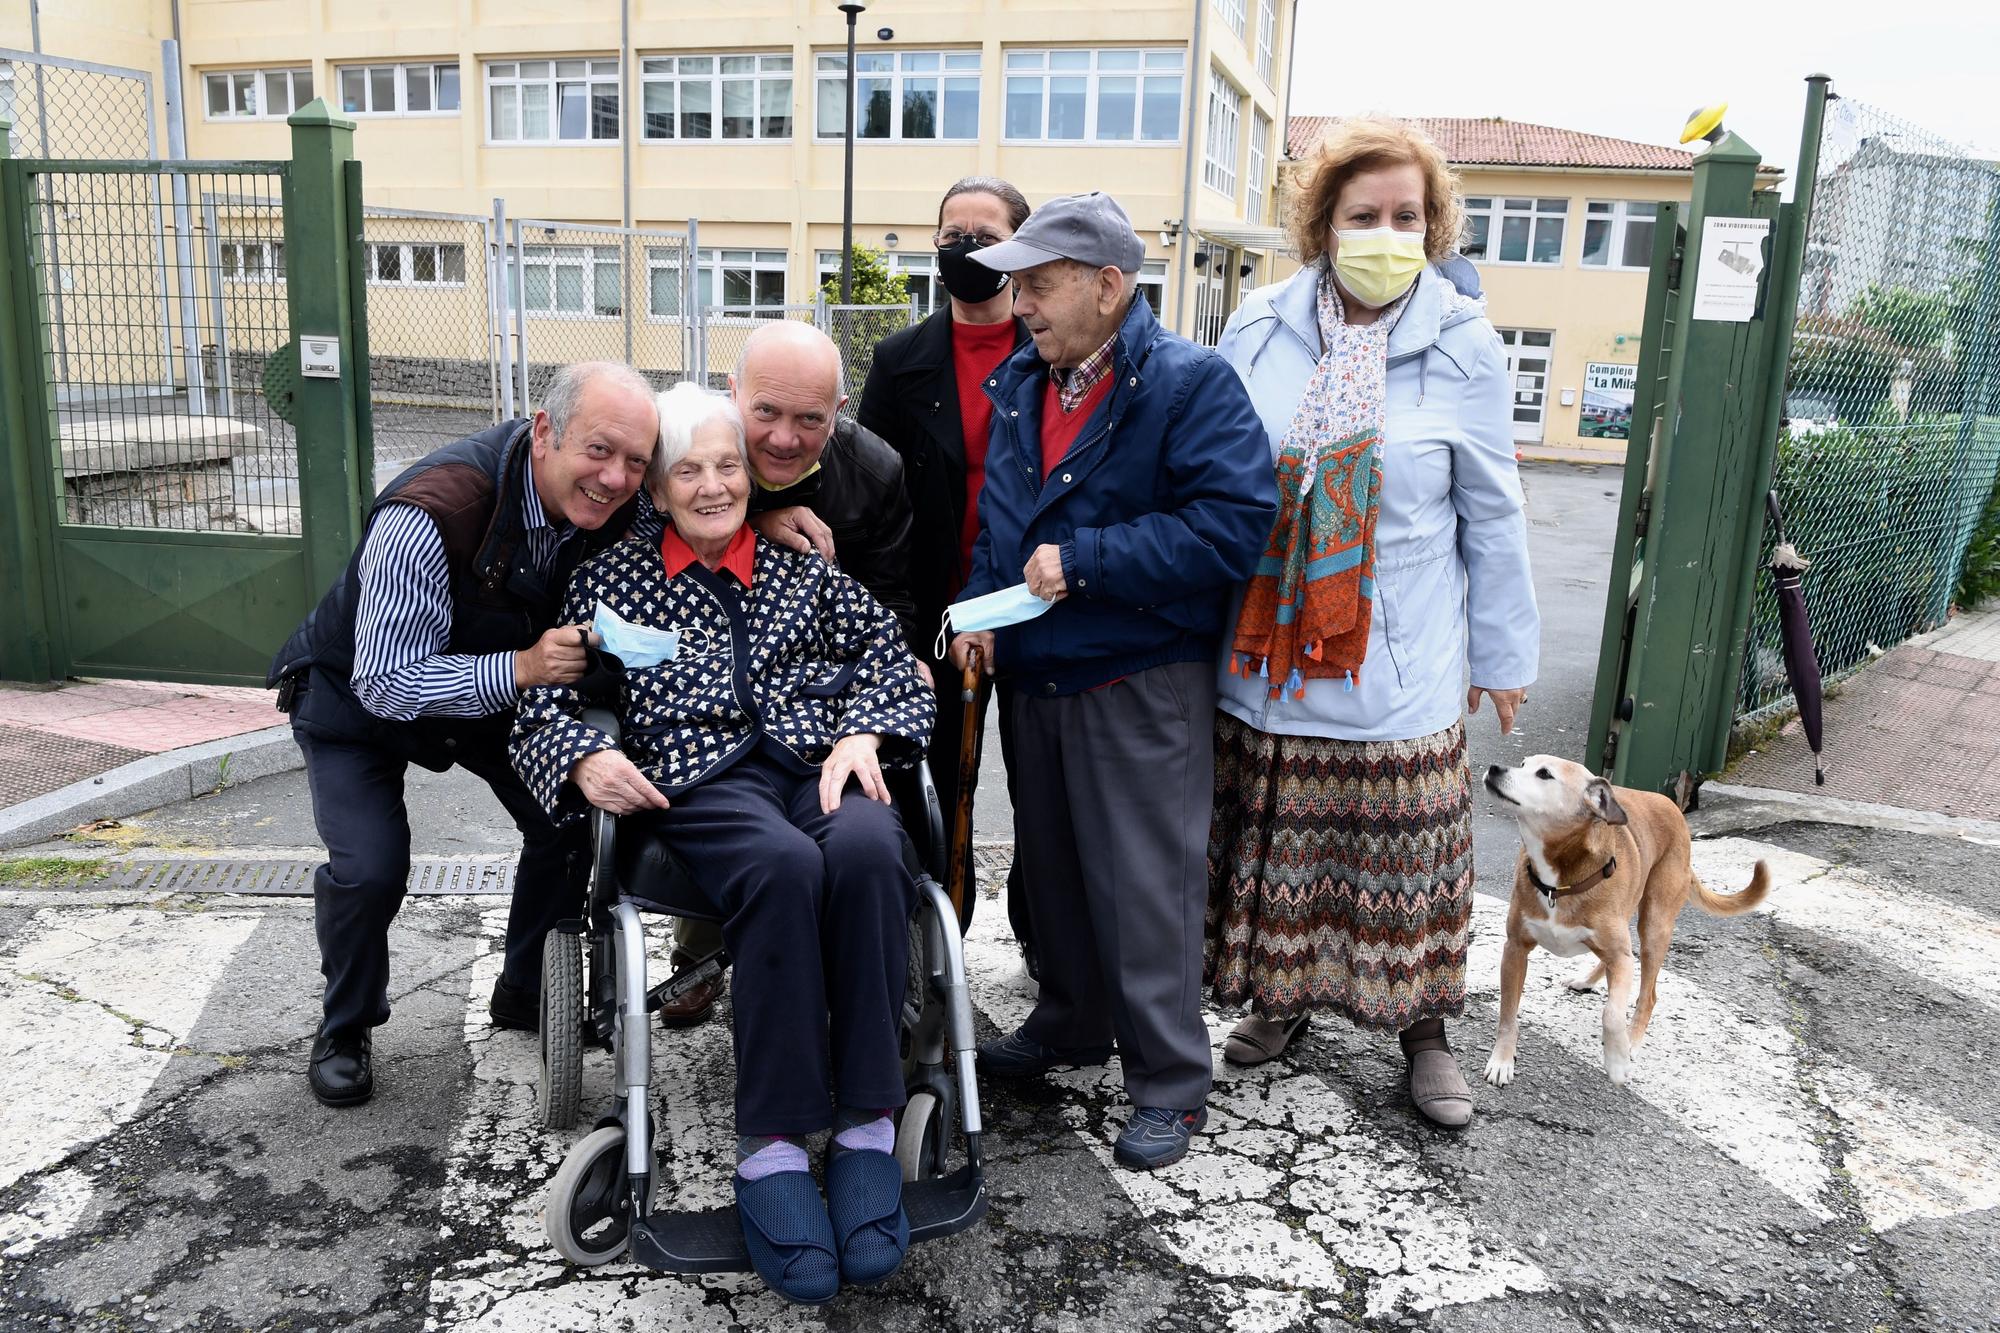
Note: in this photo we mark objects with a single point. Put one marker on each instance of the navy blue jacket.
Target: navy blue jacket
(1160, 508)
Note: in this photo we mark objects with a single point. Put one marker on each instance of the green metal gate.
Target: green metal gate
(179, 488)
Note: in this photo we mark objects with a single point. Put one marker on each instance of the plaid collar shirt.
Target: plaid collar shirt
(1073, 386)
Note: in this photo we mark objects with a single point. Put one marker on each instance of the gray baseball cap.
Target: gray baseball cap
(1089, 228)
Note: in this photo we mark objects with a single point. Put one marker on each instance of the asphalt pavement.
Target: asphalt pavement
(1807, 1143)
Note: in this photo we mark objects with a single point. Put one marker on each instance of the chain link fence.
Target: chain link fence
(856, 330)
(579, 292)
(433, 358)
(157, 297)
(725, 330)
(1892, 434)
(75, 109)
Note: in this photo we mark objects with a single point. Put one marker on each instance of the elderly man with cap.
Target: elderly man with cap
(1129, 488)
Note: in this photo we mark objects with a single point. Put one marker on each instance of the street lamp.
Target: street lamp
(853, 9)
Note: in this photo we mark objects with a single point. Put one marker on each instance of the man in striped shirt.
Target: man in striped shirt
(418, 654)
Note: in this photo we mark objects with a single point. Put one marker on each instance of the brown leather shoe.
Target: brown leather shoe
(695, 1005)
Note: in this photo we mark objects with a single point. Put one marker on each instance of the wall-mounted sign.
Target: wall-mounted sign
(1732, 262)
(1607, 400)
(319, 358)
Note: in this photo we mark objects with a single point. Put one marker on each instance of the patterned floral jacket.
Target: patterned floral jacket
(802, 659)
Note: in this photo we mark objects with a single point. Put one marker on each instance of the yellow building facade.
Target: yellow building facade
(650, 113)
(1560, 226)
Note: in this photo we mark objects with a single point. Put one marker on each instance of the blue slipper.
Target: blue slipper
(790, 1240)
(864, 1201)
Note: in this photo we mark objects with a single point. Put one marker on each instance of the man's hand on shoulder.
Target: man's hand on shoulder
(796, 527)
(555, 659)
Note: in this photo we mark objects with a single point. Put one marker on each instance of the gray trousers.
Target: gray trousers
(1111, 814)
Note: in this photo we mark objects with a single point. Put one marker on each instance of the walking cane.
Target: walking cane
(972, 694)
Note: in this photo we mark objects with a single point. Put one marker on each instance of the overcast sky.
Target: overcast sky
(1634, 70)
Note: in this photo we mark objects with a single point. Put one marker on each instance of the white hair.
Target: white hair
(684, 410)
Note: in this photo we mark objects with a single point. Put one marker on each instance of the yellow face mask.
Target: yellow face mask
(1378, 265)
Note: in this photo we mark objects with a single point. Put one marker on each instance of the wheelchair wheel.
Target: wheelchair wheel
(588, 1215)
(923, 1136)
(561, 1085)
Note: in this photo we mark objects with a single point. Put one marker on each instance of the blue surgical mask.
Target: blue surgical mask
(635, 645)
(1009, 606)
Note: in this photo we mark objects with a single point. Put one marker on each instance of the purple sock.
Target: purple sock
(868, 1131)
(758, 1156)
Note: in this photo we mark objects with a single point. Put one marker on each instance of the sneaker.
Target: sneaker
(1158, 1136)
(1018, 1055)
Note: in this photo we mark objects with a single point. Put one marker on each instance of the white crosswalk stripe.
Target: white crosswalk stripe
(1279, 1137)
(1295, 1205)
(93, 1005)
(1744, 1084)
(1920, 931)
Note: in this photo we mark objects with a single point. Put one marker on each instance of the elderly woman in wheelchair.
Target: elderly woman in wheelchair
(756, 749)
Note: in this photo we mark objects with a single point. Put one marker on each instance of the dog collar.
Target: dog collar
(1552, 891)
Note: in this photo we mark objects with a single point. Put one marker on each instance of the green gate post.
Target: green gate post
(322, 230)
(1701, 481)
(24, 528)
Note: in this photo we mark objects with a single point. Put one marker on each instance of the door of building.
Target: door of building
(1529, 352)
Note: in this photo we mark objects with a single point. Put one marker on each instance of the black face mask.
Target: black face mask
(965, 279)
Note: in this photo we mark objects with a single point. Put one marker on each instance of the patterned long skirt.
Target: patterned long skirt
(1340, 875)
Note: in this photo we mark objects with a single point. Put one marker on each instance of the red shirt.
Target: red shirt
(740, 558)
(1060, 428)
(975, 350)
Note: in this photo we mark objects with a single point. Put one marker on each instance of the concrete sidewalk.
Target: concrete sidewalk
(91, 749)
(1919, 729)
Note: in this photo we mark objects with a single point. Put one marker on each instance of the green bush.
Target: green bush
(1979, 577)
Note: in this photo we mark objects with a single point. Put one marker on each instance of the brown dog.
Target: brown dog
(1592, 855)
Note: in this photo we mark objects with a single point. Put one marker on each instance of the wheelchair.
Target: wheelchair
(601, 1203)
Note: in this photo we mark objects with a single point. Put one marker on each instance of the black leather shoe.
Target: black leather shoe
(515, 1007)
(340, 1072)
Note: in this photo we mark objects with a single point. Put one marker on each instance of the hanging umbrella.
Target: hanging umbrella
(1801, 662)
(973, 689)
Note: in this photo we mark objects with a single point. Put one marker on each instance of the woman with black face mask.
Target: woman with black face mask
(926, 396)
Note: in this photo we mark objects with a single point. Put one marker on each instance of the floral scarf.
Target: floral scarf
(1308, 606)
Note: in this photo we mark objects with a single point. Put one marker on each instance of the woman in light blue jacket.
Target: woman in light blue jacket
(1340, 857)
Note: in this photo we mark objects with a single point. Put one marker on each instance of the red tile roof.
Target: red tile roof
(1491, 141)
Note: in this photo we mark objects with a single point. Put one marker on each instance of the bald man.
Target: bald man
(824, 482)
(807, 457)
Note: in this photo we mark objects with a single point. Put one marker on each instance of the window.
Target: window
(900, 95)
(749, 281)
(552, 101)
(1113, 96)
(258, 94)
(399, 90)
(416, 264)
(1225, 122)
(252, 261)
(571, 280)
(716, 97)
(1153, 283)
(1233, 13)
(919, 276)
(1267, 40)
(1260, 135)
(7, 94)
(1618, 234)
(1530, 231)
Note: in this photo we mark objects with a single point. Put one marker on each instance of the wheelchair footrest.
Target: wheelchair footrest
(712, 1241)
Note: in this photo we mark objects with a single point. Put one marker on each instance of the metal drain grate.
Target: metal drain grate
(428, 875)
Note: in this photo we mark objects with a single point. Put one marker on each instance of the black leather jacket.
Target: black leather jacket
(858, 492)
(911, 401)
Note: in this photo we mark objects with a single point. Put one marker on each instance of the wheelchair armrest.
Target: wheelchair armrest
(936, 854)
(604, 720)
(603, 824)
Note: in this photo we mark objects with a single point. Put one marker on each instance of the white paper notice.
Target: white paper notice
(1732, 264)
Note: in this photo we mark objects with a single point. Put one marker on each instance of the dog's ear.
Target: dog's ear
(1597, 795)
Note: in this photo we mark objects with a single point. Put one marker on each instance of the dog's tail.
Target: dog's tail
(1733, 904)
